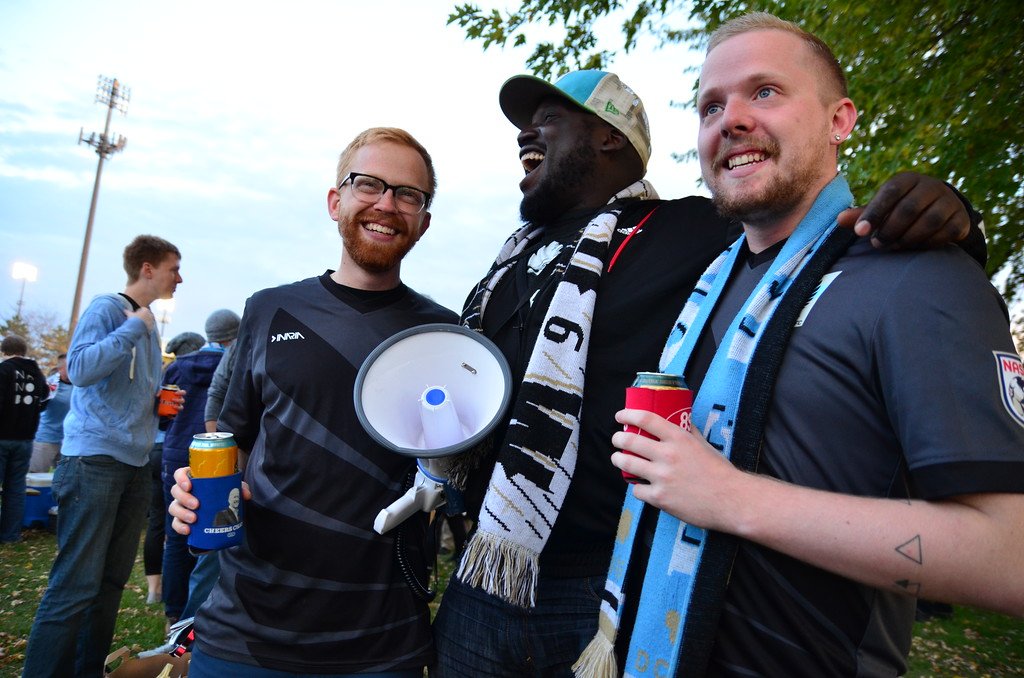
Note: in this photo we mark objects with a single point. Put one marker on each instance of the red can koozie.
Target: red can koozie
(167, 405)
(663, 394)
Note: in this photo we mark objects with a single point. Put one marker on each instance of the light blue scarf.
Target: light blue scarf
(683, 584)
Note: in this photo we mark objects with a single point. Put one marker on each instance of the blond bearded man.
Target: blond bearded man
(314, 590)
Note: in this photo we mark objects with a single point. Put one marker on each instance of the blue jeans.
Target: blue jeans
(14, 458)
(178, 561)
(101, 506)
(204, 578)
(153, 547)
(205, 666)
(479, 635)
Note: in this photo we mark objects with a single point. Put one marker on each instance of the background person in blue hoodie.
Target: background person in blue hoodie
(50, 434)
(192, 372)
(101, 484)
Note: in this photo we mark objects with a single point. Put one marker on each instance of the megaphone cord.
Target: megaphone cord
(420, 590)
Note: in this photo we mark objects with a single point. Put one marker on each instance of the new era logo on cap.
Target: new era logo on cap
(597, 92)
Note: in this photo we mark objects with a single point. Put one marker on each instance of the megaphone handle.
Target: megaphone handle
(425, 495)
(398, 511)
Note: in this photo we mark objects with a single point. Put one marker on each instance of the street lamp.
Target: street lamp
(25, 273)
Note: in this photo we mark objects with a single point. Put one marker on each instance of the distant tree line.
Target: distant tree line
(46, 338)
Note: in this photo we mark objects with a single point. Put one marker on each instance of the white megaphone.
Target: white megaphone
(430, 392)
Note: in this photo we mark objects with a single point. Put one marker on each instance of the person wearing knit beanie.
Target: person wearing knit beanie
(186, 342)
(222, 326)
(193, 373)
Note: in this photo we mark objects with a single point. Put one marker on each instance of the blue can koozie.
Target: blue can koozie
(219, 516)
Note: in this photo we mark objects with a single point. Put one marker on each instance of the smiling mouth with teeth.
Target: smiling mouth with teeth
(745, 159)
(379, 228)
(531, 160)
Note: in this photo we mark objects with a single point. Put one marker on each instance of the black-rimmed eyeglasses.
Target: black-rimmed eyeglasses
(368, 188)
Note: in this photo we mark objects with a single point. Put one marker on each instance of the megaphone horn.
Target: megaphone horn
(432, 391)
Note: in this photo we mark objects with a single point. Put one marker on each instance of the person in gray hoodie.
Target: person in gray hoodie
(101, 484)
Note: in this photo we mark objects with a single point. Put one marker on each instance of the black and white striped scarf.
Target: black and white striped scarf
(536, 462)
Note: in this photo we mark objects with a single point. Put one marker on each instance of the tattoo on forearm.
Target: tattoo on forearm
(912, 549)
(911, 587)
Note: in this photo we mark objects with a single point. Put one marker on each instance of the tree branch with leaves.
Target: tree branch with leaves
(938, 84)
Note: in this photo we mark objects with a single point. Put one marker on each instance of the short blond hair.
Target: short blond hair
(392, 135)
(763, 21)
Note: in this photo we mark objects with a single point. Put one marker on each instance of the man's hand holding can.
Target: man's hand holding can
(170, 401)
(663, 394)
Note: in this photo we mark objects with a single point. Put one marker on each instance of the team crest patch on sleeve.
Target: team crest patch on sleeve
(1011, 383)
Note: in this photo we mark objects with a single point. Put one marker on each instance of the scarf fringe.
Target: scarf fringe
(503, 557)
(501, 568)
(597, 660)
(462, 465)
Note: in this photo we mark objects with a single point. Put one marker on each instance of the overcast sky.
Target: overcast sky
(238, 111)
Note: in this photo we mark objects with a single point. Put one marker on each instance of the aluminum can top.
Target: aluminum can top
(212, 439)
(658, 380)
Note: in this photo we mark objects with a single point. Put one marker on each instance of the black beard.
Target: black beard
(561, 187)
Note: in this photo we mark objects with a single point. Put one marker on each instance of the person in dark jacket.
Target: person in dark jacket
(193, 373)
(23, 391)
(153, 544)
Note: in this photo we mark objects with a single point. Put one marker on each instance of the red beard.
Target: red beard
(370, 255)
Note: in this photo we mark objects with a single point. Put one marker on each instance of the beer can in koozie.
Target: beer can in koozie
(167, 403)
(663, 394)
(218, 487)
(212, 454)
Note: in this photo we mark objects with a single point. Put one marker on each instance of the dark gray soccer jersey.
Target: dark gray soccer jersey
(893, 385)
(314, 589)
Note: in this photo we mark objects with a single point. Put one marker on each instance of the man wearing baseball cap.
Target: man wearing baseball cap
(579, 300)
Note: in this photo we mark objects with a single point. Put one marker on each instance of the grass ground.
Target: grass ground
(971, 644)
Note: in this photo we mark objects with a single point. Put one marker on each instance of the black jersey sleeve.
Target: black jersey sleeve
(243, 405)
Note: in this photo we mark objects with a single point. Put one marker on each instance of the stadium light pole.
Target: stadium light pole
(25, 273)
(115, 96)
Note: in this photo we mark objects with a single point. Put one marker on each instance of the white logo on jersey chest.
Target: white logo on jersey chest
(285, 336)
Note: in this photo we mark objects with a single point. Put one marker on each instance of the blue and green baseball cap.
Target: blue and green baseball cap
(597, 92)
